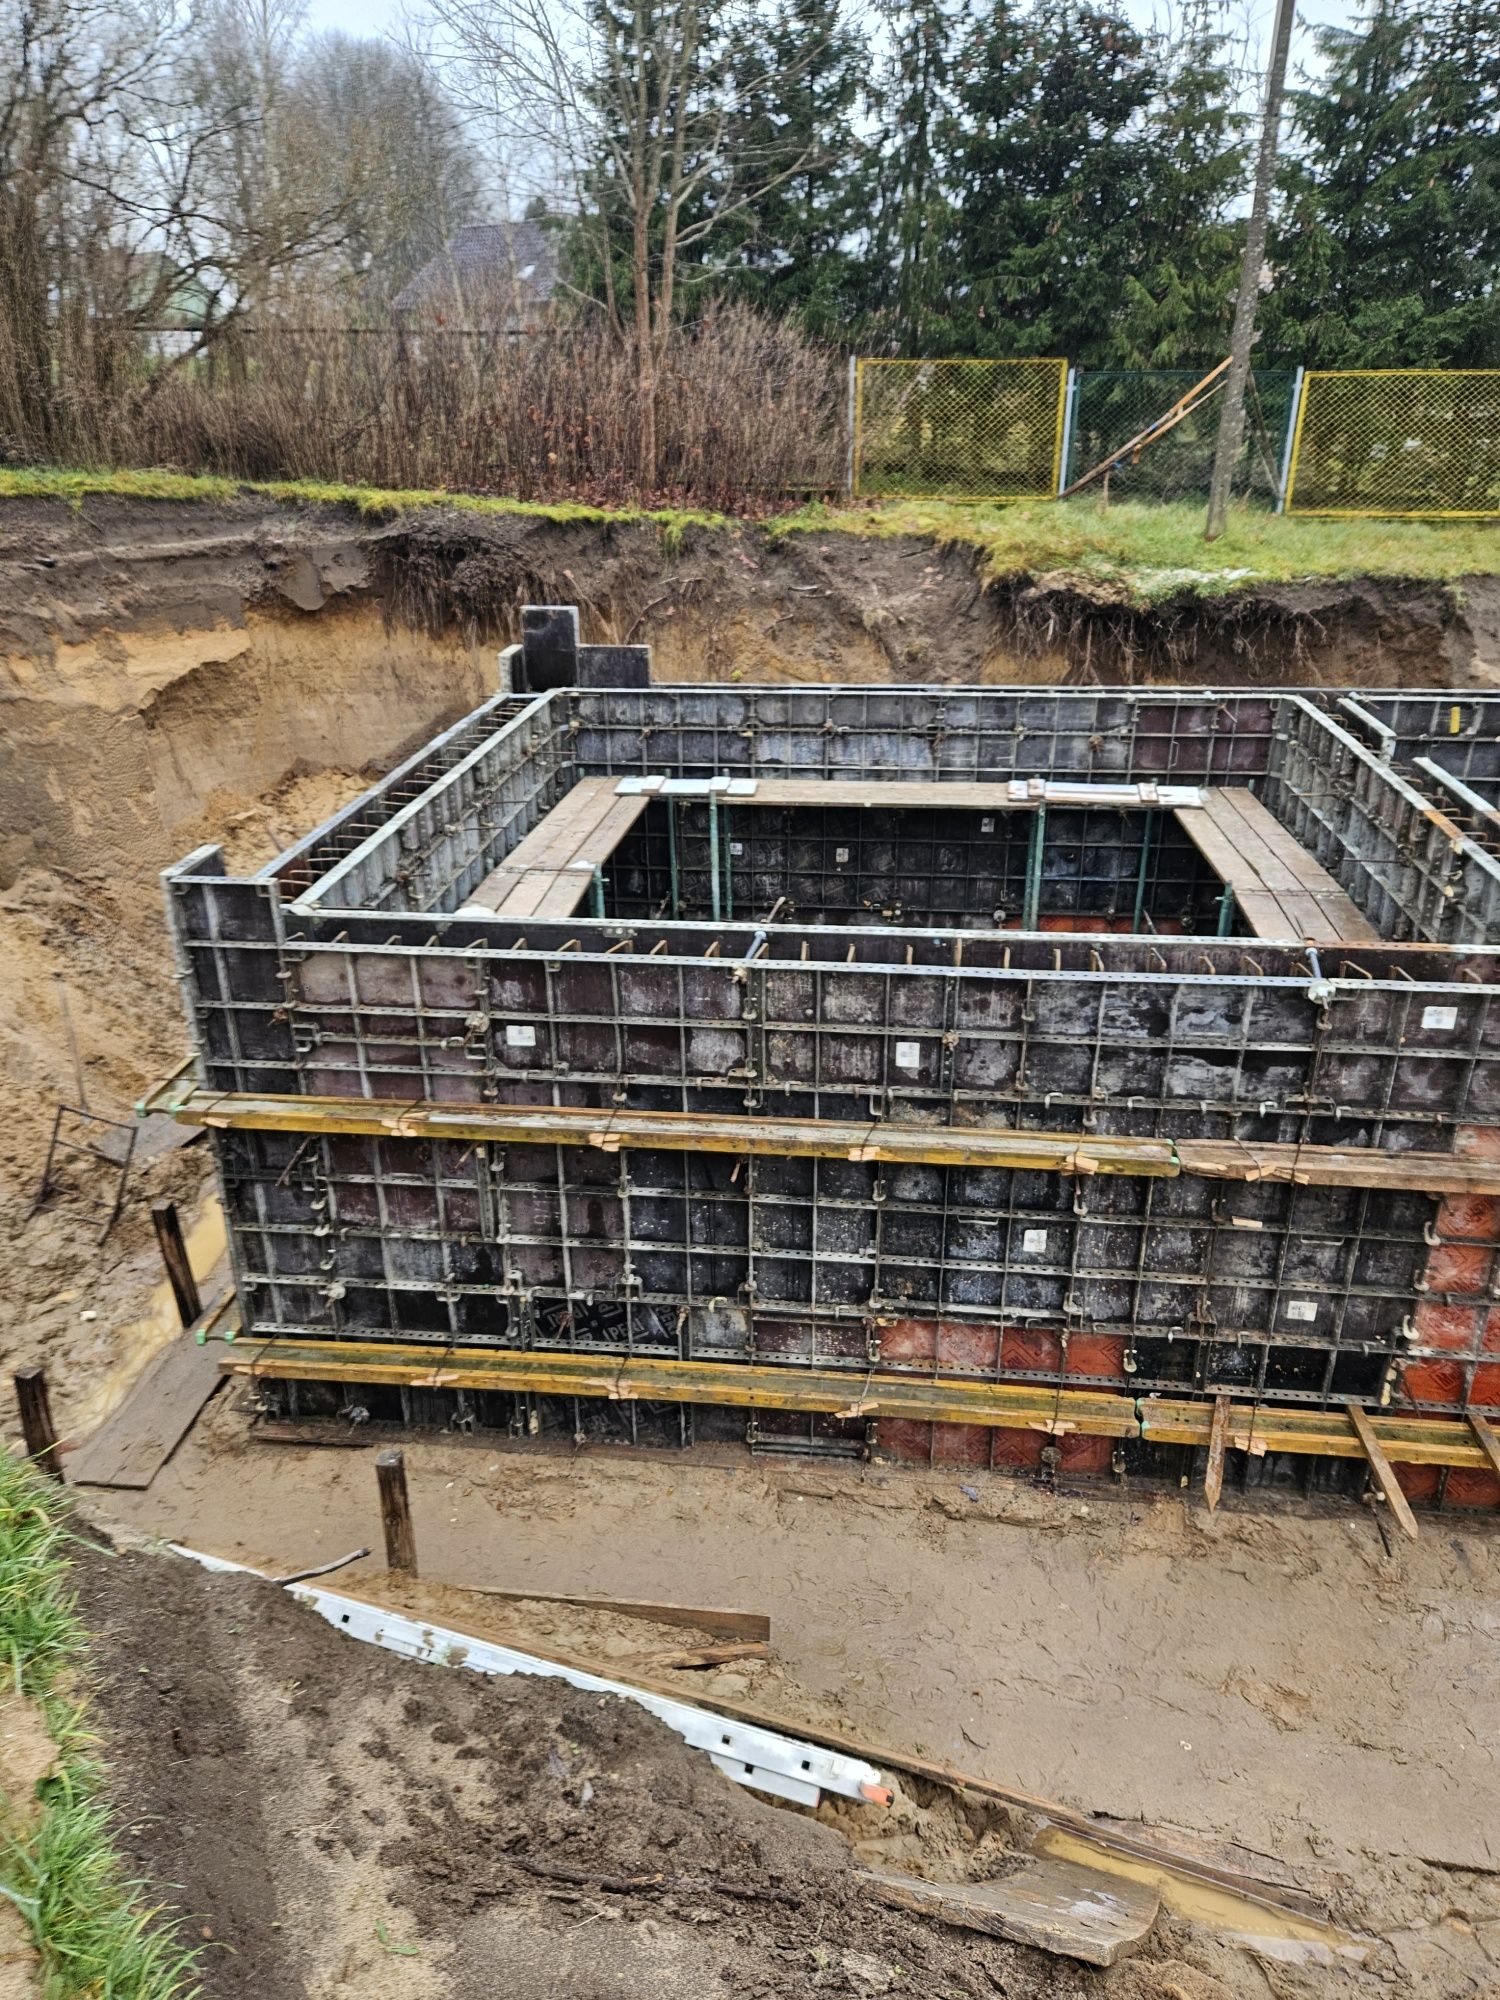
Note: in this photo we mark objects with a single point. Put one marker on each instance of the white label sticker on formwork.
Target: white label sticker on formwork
(1033, 1242)
(841, 855)
(987, 825)
(1301, 1309)
(1439, 1017)
(521, 1037)
(736, 847)
(908, 1055)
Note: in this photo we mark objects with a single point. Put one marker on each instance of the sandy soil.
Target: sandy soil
(1274, 1680)
(1270, 1679)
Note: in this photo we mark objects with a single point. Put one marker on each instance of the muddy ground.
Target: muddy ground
(1270, 1679)
(336, 1821)
(328, 1820)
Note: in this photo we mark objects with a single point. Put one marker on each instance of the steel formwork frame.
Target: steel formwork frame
(341, 976)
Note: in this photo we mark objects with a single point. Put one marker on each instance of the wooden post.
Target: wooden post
(1218, 1438)
(174, 1255)
(395, 1513)
(36, 1419)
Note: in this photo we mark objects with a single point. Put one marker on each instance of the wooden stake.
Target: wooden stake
(174, 1255)
(395, 1513)
(1380, 1466)
(36, 1419)
(1486, 1439)
(1218, 1438)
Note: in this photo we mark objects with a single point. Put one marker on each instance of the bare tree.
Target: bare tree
(622, 111)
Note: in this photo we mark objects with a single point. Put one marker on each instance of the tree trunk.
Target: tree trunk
(1242, 339)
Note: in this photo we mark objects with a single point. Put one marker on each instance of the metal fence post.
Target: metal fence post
(1291, 432)
(1070, 405)
(851, 420)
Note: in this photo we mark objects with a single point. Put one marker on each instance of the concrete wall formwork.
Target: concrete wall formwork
(342, 973)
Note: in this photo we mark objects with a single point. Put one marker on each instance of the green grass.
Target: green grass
(97, 1935)
(45, 482)
(1139, 553)
(1144, 553)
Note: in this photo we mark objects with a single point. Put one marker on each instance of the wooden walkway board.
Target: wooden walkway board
(548, 873)
(1059, 1906)
(133, 1445)
(1279, 889)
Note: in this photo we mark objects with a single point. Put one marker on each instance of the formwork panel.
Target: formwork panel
(361, 983)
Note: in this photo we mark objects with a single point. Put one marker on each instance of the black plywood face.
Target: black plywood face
(932, 869)
(1167, 1282)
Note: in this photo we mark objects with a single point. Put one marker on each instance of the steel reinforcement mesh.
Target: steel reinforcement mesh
(1397, 441)
(979, 430)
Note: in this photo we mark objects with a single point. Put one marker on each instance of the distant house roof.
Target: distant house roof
(493, 274)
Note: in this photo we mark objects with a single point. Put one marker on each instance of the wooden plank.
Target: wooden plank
(741, 1385)
(1260, 910)
(1323, 1433)
(1486, 1439)
(1288, 865)
(1052, 1905)
(679, 1659)
(931, 1399)
(132, 1446)
(1381, 1467)
(1218, 1438)
(814, 1138)
(753, 1627)
(550, 871)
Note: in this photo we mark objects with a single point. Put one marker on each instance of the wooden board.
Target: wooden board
(548, 874)
(1281, 892)
(1058, 1906)
(753, 1627)
(133, 1445)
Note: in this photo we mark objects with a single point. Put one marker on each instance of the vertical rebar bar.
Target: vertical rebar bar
(1148, 833)
(715, 890)
(1031, 914)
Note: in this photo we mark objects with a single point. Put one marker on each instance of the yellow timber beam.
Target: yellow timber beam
(824, 1391)
(801, 1138)
(947, 1399)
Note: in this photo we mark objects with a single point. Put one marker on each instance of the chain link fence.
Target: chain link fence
(1397, 441)
(962, 430)
(1111, 406)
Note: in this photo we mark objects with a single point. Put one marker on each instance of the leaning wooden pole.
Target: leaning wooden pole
(37, 1427)
(168, 1227)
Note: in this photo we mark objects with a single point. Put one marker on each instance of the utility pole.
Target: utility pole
(1232, 415)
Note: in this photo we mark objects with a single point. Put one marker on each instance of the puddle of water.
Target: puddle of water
(139, 1341)
(1262, 1927)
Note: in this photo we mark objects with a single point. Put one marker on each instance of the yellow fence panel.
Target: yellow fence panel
(958, 430)
(1397, 441)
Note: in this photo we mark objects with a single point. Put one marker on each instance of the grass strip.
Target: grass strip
(1145, 552)
(1137, 553)
(98, 1934)
(75, 485)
